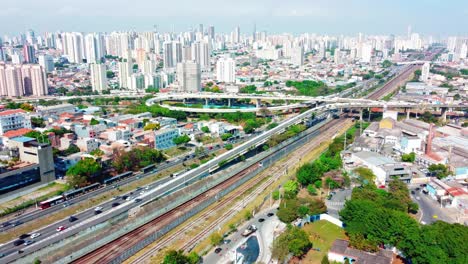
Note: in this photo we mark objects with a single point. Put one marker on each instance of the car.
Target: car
(17, 223)
(96, 212)
(142, 192)
(270, 214)
(5, 224)
(226, 241)
(217, 250)
(129, 198)
(60, 228)
(261, 220)
(2, 255)
(115, 204)
(412, 192)
(117, 197)
(18, 242)
(28, 242)
(99, 208)
(137, 200)
(23, 236)
(417, 189)
(138, 189)
(35, 235)
(147, 188)
(72, 219)
(124, 197)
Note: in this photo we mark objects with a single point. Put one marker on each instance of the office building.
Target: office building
(164, 138)
(176, 52)
(46, 62)
(98, 77)
(225, 70)
(37, 165)
(201, 54)
(189, 76)
(73, 46)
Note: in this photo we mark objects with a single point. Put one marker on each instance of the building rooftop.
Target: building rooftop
(362, 257)
(16, 133)
(12, 112)
(23, 139)
(375, 158)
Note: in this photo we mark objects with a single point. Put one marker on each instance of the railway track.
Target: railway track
(275, 172)
(392, 84)
(112, 250)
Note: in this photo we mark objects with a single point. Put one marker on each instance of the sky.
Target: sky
(435, 17)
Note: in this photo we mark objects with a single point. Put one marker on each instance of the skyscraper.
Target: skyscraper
(236, 35)
(189, 76)
(167, 55)
(177, 52)
(211, 32)
(73, 46)
(29, 54)
(94, 47)
(225, 70)
(125, 70)
(98, 77)
(47, 62)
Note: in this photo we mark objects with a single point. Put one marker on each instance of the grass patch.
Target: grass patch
(176, 151)
(322, 234)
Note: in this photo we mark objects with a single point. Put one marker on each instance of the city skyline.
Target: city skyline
(332, 17)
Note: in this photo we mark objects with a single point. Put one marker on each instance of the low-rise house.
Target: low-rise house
(341, 252)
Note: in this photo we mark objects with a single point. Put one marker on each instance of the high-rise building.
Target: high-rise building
(94, 47)
(168, 58)
(425, 71)
(366, 53)
(189, 76)
(29, 54)
(2, 53)
(225, 70)
(177, 52)
(297, 55)
(201, 53)
(211, 32)
(73, 46)
(20, 80)
(98, 77)
(47, 62)
(125, 71)
(236, 35)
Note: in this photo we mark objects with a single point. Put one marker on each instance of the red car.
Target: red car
(60, 228)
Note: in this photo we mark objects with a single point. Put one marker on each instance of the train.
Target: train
(74, 193)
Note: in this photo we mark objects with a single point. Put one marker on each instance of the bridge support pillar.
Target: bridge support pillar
(287, 102)
(183, 101)
(258, 103)
(206, 101)
(408, 111)
(229, 102)
(360, 114)
(341, 110)
(443, 114)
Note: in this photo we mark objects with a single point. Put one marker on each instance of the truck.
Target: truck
(250, 229)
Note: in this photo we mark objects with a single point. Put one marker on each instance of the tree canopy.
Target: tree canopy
(79, 174)
(136, 158)
(293, 241)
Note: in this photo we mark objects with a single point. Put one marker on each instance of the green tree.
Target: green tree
(365, 174)
(181, 140)
(325, 260)
(275, 195)
(439, 170)
(152, 126)
(216, 239)
(178, 257)
(37, 121)
(291, 187)
(79, 174)
(293, 241)
(386, 63)
(110, 74)
(228, 146)
(205, 129)
(226, 136)
(311, 189)
(94, 122)
(97, 153)
(410, 157)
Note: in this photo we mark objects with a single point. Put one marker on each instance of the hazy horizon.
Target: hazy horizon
(434, 17)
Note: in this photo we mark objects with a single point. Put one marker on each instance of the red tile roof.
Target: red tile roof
(454, 191)
(11, 112)
(16, 133)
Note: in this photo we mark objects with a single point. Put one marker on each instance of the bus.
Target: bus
(118, 177)
(51, 202)
(148, 168)
(73, 193)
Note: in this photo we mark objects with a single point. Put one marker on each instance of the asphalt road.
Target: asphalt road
(46, 232)
(264, 235)
(34, 215)
(429, 209)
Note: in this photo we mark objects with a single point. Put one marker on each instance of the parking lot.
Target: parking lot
(429, 209)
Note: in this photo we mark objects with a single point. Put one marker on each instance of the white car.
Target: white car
(98, 208)
(35, 235)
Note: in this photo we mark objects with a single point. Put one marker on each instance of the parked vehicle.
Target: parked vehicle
(250, 229)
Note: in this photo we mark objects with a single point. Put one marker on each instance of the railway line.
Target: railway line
(109, 252)
(393, 84)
